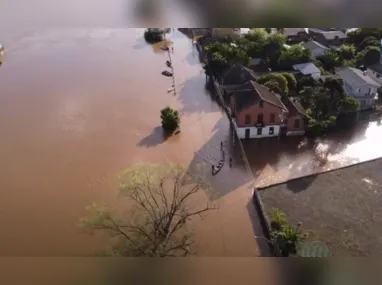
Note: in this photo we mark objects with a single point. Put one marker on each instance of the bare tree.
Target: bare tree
(161, 196)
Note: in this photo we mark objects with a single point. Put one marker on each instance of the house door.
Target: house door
(247, 133)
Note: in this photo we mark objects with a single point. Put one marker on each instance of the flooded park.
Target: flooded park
(80, 103)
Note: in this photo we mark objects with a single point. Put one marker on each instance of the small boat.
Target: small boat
(166, 73)
(1, 50)
(164, 48)
(168, 63)
(218, 167)
(170, 89)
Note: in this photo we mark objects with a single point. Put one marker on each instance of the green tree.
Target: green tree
(154, 35)
(330, 59)
(274, 47)
(170, 119)
(368, 41)
(274, 86)
(160, 199)
(368, 56)
(305, 81)
(292, 82)
(281, 80)
(349, 104)
(258, 35)
(295, 54)
(347, 52)
(361, 34)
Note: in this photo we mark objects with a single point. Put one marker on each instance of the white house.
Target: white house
(315, 48)
(360, 85)
(308, 69)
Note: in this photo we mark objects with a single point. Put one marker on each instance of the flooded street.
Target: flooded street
(79, 103)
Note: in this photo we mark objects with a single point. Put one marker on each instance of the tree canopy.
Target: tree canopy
(160, 201)
(275, 77)
(295, 54)
(369, 56)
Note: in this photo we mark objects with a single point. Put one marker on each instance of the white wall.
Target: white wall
(253, 132)
(361, 91)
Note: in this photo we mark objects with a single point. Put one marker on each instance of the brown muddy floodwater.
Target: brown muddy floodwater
(80, 100)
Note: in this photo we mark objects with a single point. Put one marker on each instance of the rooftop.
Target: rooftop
(313, 45)
(238, 75)
(341, 209)
(294, 107)
(330, 33)
(295, 31)
(306, 68)
(252, 92)
(355, 76)
(376, 67)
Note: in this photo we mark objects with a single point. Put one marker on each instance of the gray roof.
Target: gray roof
(294, 31)
(311, 45)
(356, 76)
(306, 68)
(376, 67)
(237, 75)
(255, 61)
(294, 106)
(330, 33)
(251, 92)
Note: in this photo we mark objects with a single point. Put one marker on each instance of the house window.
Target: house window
(259, 131)
(359, 90)
(363, 103)
(260, 118)
(272, 118)
(297, 123)
(369, 91)
(286, 121)
(271, 130)
(247, 119)
(261, 104)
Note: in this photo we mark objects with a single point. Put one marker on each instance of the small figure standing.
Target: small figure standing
(172, 49)
(213, 168)
(230, 162)
(221, 145)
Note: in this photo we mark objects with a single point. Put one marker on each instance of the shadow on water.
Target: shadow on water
(192, 58)
(228, 178)
(193, 103)
(156, 137)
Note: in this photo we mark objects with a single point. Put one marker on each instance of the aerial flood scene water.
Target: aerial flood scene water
(79, 103)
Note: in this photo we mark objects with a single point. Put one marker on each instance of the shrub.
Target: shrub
(288, 237)
(278, 220)
(170, 119)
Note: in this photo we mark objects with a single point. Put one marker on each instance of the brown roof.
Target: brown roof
(238, 75)
(252, 92)
(294, 107)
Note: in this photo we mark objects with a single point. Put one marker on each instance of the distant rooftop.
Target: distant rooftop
(306, 68)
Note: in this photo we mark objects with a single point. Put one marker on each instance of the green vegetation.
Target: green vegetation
(287, 236)
(324, 101)
(170, 119)
(282, 82)
(160, 200)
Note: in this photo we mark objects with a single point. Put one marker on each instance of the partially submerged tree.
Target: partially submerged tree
(170, 119)
(161, 202)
